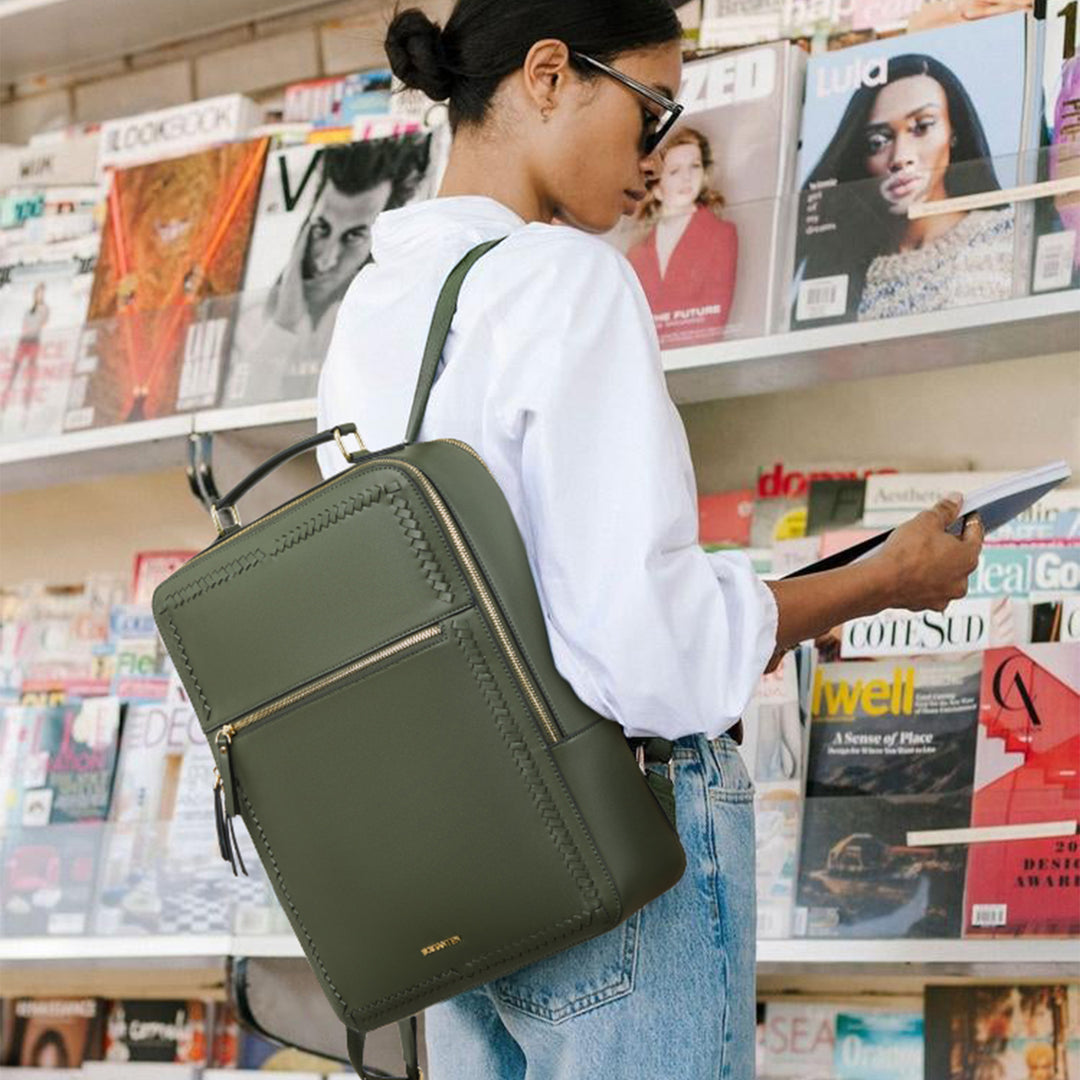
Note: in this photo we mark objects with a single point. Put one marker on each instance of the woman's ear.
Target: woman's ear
(544, 73)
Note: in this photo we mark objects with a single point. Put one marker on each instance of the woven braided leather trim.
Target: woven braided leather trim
(388, 494)
(332, 515)
(552, 817)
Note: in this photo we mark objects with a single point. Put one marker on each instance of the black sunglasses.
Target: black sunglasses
(650, 140)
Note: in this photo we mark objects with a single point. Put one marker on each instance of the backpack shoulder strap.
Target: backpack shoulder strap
(445, 307)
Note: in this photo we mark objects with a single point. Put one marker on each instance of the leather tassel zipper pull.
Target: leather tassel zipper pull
(225, 802)
(219, 822)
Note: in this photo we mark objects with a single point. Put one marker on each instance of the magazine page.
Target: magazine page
(131, 888)
(43, 305)
(174, 1031)
(174, 132)
(896, 123)
(891, 751)
(172, 259)
(706, 240)
(799, 1041)
(55, 1033)
(1025, 773)
(875, 1045)
(312, 234)
(1056, 263)
(1006, 1032)
(774, 750)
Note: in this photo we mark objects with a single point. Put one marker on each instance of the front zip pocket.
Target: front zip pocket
(225, 786)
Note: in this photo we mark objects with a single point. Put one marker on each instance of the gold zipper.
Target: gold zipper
(229, 730)
(488, 604)
(478, 584)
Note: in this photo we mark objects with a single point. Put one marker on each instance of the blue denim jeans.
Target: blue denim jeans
(667, 995)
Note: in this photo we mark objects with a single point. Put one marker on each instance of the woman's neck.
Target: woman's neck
(919, 232)
(479, 166)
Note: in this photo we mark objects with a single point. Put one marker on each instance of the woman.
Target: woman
(686, 264)
(28, 349)
(552, 374)
(915, 139)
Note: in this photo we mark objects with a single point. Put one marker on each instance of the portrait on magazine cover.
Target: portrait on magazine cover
(686, 262)
(312, 235)
(891, 126)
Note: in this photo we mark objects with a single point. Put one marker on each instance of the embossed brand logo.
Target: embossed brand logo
(444, 944)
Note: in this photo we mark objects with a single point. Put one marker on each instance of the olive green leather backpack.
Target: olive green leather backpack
(433, 804)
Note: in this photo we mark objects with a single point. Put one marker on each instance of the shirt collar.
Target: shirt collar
(476, 217)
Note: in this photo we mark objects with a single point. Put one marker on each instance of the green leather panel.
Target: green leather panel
(226, 615)
(446, 816)
(623, 814)
(473, 497)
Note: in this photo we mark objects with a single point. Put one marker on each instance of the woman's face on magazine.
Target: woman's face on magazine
(339, 237)
(908, 142)
(681, 177)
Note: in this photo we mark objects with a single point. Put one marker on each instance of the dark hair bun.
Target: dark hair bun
(414, 46)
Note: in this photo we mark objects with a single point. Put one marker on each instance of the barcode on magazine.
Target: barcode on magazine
(822, 298)
(989, 914)
(800, 922)
(1054, 261)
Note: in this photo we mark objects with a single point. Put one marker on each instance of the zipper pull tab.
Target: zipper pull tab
(223, 742)
(219, 821)
(226, 806)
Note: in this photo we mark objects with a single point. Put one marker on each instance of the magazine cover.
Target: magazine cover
(893, 498)
(891, 751)
(198, 893)
(1005, 1032)
(134, 658)
(68, 769)
(774, 748)
(157, 1030)
(728, 23)
(724, 519)
(898, 122)
(51, 852)
(151, 568)
(799, 1041)
(963, 627)
(55, 1033)
(1057, 219)
(1026, 772)
(43, 306)
(172, 258)
(706, 241)
(173, 132)
(131, 895)
(873, 1045)
(1020, 569)
(312, 234)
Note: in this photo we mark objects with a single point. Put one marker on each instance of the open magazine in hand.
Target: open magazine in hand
(996, 504)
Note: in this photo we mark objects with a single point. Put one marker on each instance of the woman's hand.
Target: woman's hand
(920, 566)
(929, 567)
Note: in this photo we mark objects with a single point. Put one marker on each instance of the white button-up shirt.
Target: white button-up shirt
(552, 373)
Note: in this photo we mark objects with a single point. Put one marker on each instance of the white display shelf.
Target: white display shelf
(41, 37)
(1031, 326)
(1028, 327)
(78, 456)
(1005, 956)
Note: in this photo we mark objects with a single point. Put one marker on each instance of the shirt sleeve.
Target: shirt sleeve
(647, 628)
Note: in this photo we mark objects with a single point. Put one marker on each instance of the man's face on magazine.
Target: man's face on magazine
(339, 238)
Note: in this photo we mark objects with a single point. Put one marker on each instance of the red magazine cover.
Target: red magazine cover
(172, 259)
(1027, 770)
(724, 518)
(151, 569)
